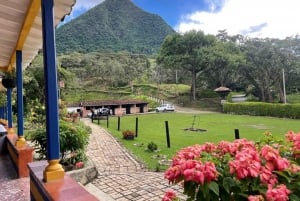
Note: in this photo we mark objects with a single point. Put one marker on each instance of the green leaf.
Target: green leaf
(294, 197)
(228, 182)
(214, 187)
(284, 175)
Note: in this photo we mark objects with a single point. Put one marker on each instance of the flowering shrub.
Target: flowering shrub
(128, 134)
(239, 170)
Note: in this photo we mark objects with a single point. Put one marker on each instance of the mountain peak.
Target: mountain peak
(113, 25)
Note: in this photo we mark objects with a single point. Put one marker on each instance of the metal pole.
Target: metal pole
(136, 126)
(119, 121)
(236, 134)
(107, 123)
(167, 134)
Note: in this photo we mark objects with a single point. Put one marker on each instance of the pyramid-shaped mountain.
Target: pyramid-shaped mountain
(114, 25)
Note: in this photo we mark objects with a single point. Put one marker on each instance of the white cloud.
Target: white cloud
(86, 4)
(80, 7)
(254, 18)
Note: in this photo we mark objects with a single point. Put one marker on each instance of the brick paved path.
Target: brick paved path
(121, 177)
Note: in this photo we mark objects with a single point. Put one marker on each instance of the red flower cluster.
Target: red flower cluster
(246, 164)
(243, 159)
(169, 196)
(280, 193)
(192, 170)
(294, 138)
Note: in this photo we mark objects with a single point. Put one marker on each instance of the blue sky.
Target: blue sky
(253, 18)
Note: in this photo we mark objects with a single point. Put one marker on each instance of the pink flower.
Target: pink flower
(227, 147)
(269, 153)
(295, 139)
(245, 164)
(267, 177)
(280, 193)
(290, 136)
(169, 196)
(209, 147)
(255, 198)
(294, 168)
(273, 157)
(282, 163)
(188, 153)
(198, 172)
(173, 173)
(79, 165)
(210, 172)
(244, 143)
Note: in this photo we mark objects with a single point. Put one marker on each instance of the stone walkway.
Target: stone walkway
(121, 176)
(12, 187)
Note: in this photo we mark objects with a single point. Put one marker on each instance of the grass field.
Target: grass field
(151, 128)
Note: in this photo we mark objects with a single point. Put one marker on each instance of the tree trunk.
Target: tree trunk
(262, 92)
(194, 84)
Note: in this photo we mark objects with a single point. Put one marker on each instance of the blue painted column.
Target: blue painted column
(5, 111)
(54, 170)
(21, 140)
(2, 113)
(9, 108)
(20, 93)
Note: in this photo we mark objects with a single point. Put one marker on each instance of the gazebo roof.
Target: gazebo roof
(21, 29)
(222, 89)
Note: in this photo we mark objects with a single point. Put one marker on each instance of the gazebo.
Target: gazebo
(222, 91)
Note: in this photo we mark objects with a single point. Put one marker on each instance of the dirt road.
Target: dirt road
(191, 110)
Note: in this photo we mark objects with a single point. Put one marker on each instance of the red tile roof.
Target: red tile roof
(106, 102)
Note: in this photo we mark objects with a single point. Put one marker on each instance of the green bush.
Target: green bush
(205, 93)
(73, 140)
(152, 147)
(264, 109)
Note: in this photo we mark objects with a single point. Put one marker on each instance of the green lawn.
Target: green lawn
(219, 127)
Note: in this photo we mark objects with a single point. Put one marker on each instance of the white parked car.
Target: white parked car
(165, 108)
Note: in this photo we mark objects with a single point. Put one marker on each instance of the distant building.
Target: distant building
(239, 98)
(117, 107)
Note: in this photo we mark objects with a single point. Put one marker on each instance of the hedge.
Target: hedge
(264, 109)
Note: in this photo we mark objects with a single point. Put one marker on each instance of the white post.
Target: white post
(284, 93)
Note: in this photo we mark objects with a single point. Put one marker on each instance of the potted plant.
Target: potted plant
(128, 134)
(9, 79)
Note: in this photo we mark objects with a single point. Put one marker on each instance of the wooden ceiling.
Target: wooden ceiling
(21, 29)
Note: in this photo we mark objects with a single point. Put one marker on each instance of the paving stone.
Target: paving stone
(121, 176)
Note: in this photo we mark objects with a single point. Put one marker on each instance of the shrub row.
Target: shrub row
(264, 109)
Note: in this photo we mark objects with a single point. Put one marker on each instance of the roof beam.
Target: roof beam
(32, 12)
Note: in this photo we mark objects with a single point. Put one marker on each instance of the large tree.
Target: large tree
(185, 51)
(264, 67)
(223, 59)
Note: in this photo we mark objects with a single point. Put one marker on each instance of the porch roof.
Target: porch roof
(21, 29)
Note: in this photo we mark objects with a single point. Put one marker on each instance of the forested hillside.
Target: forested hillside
(103, 70)
(112, 26)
